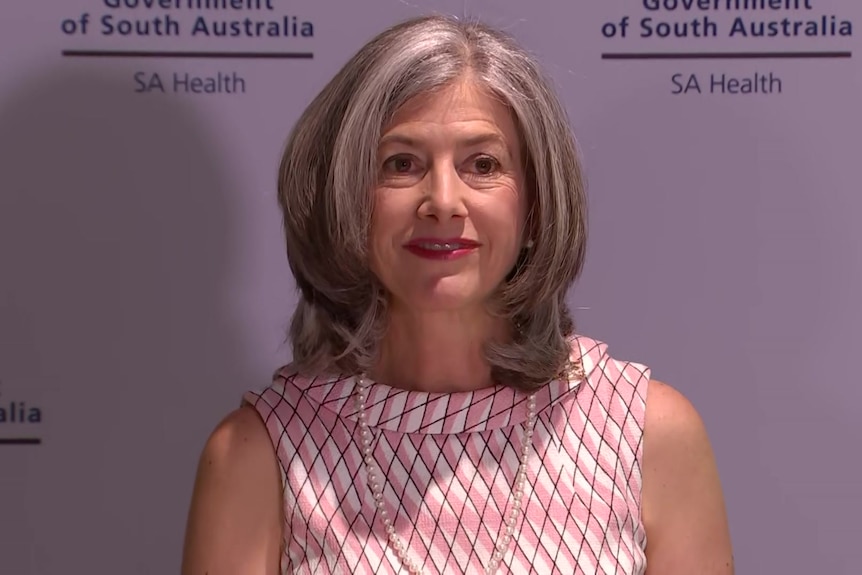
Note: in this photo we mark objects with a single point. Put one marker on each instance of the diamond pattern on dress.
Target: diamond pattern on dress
(450, 461)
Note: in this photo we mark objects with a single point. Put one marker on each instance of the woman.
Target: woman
(440, 416)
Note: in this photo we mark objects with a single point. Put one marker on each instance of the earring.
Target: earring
(529, 244)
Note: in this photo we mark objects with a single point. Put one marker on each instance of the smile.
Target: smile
(445, 249)
(442, 247)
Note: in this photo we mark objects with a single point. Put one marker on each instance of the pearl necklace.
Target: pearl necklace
(375, 482)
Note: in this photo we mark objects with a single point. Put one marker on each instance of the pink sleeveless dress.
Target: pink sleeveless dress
(449, 462)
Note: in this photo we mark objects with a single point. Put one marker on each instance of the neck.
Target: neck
(437, 352)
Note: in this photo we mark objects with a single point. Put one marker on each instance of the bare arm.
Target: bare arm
(683, 505)
(234, 525)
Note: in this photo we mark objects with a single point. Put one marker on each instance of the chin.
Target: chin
(442, 304)
(445, 296)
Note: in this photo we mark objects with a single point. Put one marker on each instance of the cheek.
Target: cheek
(523, 208)
(386, 222)
(505, 220)
(376, 244)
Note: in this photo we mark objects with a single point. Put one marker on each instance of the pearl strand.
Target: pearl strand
(375, 482)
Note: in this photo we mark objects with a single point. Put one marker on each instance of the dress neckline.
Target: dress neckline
(408, 411)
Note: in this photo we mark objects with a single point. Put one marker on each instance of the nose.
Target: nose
(443, 194)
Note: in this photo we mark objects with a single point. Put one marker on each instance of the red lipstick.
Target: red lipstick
(441, 248)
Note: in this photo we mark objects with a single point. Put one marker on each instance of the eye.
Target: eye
(399, 165)
(485, 165)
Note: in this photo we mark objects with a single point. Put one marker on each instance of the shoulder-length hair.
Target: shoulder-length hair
(329, 170)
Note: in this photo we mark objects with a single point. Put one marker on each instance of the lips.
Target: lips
(442, 244)
(441, 248)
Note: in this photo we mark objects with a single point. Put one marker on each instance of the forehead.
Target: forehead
(461, 106)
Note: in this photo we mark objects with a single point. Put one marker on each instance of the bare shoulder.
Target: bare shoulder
(670, 416)
(234, 523)
(683, 504)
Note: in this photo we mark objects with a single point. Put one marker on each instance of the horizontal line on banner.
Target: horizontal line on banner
(722, 55)
(20, 441)
(183, 54)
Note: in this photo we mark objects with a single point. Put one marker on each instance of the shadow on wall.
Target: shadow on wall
(114, 238)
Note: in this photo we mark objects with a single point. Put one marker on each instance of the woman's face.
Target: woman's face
(450, 204)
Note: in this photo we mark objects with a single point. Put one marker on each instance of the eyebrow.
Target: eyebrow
(475, 140)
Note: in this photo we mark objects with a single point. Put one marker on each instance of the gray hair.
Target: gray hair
(329, 170)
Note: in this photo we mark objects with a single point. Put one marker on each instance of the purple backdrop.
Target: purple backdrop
(143, 284)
